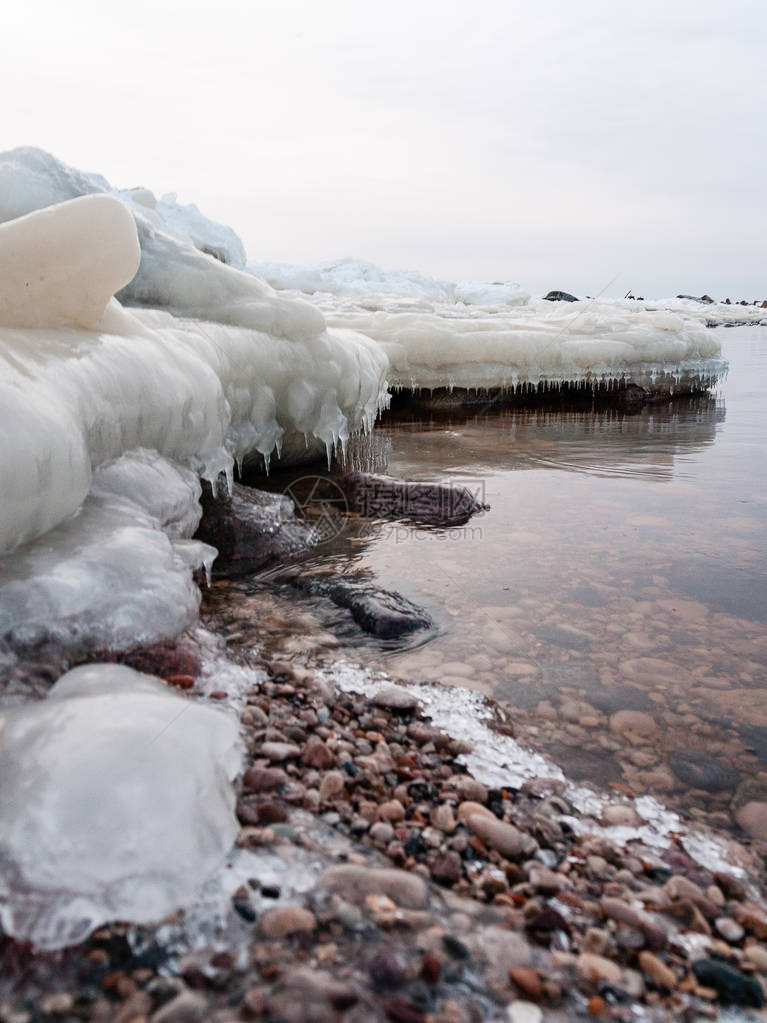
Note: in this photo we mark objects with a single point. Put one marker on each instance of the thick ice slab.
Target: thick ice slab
(115, 803)
(541, 342)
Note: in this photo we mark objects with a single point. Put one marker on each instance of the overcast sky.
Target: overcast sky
(550, 142)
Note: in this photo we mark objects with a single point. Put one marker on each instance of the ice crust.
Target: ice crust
(115, 803)
(118, 572)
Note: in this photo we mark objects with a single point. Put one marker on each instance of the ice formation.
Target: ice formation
(117, 573)
(379, 288)
(539, 342)
(75, 394)
(115, 803)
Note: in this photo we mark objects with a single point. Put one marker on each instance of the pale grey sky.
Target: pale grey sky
(545, 141)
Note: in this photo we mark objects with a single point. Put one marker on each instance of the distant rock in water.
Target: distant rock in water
(560, 296)
(380, 612)
(706, 299)
(250, 528)
(432, 504)
(700, 771)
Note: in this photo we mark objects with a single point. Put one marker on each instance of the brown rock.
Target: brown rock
(263, 779)
(395, 698)
(597, 969)
(279, 751)
(392, 810)
(752, 818)
(331, 786)
(657, 971)
(446, 869)
(317, 754)
(528, 982)
(505, 838)
(284, 920)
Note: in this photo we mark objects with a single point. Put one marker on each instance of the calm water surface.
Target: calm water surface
(622, 566)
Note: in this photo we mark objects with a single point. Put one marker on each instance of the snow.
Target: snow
(116, 574)
(379, 288)
(83, 380)
(115, 803)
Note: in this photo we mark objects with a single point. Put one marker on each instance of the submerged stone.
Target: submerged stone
(433, 504)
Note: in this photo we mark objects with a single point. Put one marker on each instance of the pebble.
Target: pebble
(392, 810)
(442, 817)
(756, 956)
(657, 970)
(547, 881)
(331, 786)
(523, 1012)
(621, 815)
(732, 986)
(354, 883)
(186, 1007)
(395, 698)
(280, 751)
(635, 725)
(317, 754)
(280, 921)
(471, 790)
(752, 818)
(598, 969)
(505, 838)
(528, 981)
(729, 929)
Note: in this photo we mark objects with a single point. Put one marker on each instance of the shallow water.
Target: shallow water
(622, 565)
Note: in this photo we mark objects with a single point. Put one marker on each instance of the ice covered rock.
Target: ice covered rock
(115, 803)
(117, 573)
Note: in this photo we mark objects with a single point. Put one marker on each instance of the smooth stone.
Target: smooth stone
(729, 929)
(700, 771)
(756, 955)
(332, 785)
(657, 970)
(598, 969)
(732, 986)
(470, 808)
(355, 883)
(283, 920)
(504, 838)
(752, 818)
(523, 1012)
(621, 815)
(279, 751)
(635, 725)
(395, 698)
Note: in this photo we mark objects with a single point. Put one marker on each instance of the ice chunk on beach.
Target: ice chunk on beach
(173, 273)
(115, 803)
(82, 382)
(49, 278)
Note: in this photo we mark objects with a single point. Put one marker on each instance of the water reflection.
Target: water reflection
(614, 597)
